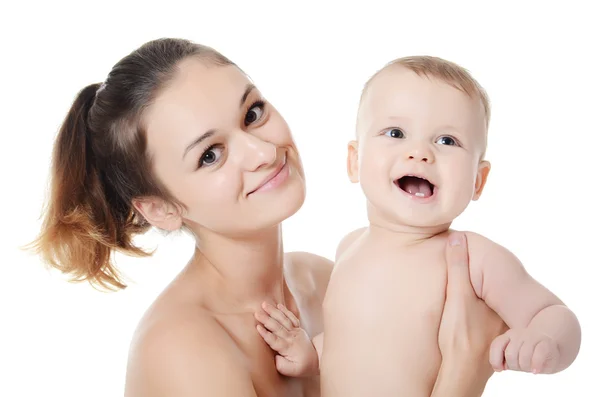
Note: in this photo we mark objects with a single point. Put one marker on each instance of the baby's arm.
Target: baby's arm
(544, 335)
(297, 355)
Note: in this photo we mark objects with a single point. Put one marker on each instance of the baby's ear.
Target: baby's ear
(353, 161)
(482, 174)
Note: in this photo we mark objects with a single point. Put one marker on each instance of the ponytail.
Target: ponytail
(101, 165)
(80, 228)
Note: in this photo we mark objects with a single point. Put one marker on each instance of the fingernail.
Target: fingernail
(455, 239)
(535, 371)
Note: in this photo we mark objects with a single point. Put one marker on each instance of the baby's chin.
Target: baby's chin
(432, 224)
(429, 217)
(420, 222)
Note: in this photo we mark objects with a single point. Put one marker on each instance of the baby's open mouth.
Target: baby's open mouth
(416, 186)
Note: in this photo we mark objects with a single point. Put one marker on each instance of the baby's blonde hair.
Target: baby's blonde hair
(446, 71)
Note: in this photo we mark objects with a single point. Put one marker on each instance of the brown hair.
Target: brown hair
(446, 71)
(100, 164)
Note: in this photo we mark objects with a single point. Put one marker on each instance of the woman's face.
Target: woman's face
(223, 151)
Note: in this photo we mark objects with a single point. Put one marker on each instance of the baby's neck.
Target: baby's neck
(404, 234)
(401, 232)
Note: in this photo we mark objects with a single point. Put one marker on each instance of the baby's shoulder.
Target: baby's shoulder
(488, 261)
(347, 241)
(480, 246)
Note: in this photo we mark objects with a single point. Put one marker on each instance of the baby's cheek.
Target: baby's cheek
(457, 197)
(374, 184)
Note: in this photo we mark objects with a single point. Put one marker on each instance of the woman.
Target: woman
(178, 137)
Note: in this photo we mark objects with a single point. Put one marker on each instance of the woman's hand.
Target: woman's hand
(467, 329)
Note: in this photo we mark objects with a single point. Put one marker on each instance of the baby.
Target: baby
(419, 158)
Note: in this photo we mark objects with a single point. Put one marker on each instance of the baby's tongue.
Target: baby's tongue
(417, 187)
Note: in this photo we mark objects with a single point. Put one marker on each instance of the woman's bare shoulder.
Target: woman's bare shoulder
(312, 271)
(180, 349)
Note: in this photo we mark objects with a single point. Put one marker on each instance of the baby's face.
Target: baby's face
(419, 149)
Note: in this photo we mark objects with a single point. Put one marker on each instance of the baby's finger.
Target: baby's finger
(497, 351)
(525, 356)
(542, 357)
(286, 367)
(511, 354)
(271, 324)
(289, 315)
(272, 340)
(278, 315)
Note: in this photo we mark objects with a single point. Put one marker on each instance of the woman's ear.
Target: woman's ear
(159, 213)
(482, 174)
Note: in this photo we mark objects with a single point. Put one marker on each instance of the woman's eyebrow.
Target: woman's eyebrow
(202, 137)
(247, 92)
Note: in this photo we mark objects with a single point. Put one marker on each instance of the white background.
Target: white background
(539, 63)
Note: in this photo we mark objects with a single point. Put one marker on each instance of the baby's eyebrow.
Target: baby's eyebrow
(398, 118)
(448, 127)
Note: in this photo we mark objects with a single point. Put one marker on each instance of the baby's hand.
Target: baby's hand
(524, 350)
(280, 328)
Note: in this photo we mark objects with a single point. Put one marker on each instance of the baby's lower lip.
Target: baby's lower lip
(415, 186)
(418, 197)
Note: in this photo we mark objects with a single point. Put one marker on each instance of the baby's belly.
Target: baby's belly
(411, 354)
(407, 350)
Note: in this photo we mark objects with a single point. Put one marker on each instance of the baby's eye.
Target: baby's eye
(210, 156)
(254, 113)
(395, 133)
(446, 140)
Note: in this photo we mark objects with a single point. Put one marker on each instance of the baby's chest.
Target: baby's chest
(409, 284)
(398, 297)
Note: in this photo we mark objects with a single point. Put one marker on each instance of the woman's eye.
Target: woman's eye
(210, 156)
(395, 133)
(446, 140)
(254, 113)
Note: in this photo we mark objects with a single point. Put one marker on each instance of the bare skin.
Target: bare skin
(418, 293)
(228, 156)
(194, 341)
(385, 299)
(191, 341)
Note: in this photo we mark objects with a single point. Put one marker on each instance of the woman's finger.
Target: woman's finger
(457, 260)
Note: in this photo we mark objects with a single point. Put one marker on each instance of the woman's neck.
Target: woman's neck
(244, 271)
